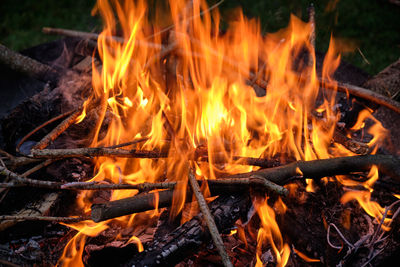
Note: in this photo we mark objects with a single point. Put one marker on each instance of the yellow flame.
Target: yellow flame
(206, 102)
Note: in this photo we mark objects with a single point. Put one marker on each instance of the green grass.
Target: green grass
(373, 26)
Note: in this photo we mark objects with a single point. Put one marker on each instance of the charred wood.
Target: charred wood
(173, 248)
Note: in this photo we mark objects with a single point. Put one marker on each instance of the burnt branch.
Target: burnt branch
(64, 125)
(18, 218)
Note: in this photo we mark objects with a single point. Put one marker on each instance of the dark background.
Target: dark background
(369, 26)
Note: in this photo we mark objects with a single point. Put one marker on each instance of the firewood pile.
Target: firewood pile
(95, 175)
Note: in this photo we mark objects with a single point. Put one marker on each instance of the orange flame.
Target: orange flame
(208, 103)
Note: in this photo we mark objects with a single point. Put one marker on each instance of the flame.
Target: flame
(372, 208)
(269, 231)
(208, 103)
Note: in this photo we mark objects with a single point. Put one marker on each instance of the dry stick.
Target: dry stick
(362, 93)
(387, 164)
(26, 65)
(38, 167)
(97, 152)
(134, 153)
(95, 36)
(61, 116)
(144, 139)
(22, 181)
(207, 216)
(43, 218)
(50, 137)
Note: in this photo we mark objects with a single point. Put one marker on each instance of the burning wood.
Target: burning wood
(167, 103)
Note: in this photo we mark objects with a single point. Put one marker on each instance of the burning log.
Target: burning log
(171, 249)
(144, 202)
(28, 66)
(279, 175)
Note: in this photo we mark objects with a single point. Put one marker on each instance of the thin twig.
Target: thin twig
(311, 13)
(50, 137)
(257, 182)
(96, 152)
(135, 153)
(216, 237)
(61, 116)
(43, 218)
(341, 235)
(38, 167)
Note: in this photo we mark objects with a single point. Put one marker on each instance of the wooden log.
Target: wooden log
(316, 169)
(144, 202)
(28, 66)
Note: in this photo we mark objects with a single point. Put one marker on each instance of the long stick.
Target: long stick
(28, 66)
(212, 227)
(134, 153)
(42, 218)
(96, 152)
(311, 19)
(61, 116)
(387, 164)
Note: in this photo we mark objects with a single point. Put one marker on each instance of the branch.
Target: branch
(144, 202)
(61, 116)
(134, 153)
(389, 165)
(50, 137)
(96, 152)
(17, 218)
(26, 65)
(362, 93)
(212, 227)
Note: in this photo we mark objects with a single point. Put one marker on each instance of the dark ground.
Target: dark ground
(369, 26)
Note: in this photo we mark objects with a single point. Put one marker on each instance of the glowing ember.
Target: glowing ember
(210, 104)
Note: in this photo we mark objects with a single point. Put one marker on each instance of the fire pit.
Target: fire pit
(183, 145)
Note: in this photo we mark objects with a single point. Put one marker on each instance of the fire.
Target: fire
(208, 103)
